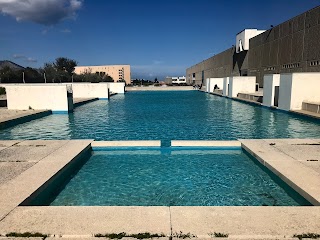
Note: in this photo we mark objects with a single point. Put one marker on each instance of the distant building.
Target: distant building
(176, 80)
(12, 65)
(290, 47)
(117, 72)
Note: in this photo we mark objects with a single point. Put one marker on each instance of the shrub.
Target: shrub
(2, 90)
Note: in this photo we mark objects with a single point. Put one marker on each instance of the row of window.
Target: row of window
(292, 65)
(270, 69)
(314, 63)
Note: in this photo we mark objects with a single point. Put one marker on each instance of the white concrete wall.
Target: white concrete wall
(270, 81)
(38, 96)
(118, 87)
(215, 81)
(241, 85)
(90, 90)
(296, 88)
(225, 86)
(207, 83)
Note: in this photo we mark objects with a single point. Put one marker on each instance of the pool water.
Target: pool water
(180, 115)
(173, 177)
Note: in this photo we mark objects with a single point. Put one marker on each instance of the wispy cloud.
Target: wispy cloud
(66, 31)
(45, 12)
(31, 60)
(17, 56)
(25, 58)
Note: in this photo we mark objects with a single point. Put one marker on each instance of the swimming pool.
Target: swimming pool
(172, 115)
(174, 177)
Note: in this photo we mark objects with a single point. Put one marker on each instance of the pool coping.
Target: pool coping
(138, 143)
(243, 222)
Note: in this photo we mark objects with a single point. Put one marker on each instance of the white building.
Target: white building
(179, 80)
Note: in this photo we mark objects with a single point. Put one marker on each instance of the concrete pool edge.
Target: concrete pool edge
(303, 180)
(243, 222)
(29, 182)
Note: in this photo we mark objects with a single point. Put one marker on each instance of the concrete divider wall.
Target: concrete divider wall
(39, 97)
(90, 90)
(241, 85)
(117, 87)
(225, 86)
(270, 81)
(296, 88)
(216, 81)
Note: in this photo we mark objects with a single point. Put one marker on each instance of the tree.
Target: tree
(32, 75)
(65, 65)
(50, 72)
(59, 71)
(8, 75)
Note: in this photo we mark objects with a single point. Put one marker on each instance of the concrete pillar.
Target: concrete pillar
(270, 81)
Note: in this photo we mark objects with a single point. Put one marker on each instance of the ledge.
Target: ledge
(204, 143)
(97, 144)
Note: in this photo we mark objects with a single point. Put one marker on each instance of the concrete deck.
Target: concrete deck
(295, 161)
(37, 162)
(9, 118)
(288, 157)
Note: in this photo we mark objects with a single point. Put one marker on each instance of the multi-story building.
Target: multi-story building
(292, 46)
(176, 80)
(117, 72)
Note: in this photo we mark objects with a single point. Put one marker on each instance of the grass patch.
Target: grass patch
(27, 235)
(307, 235)
(183, 235)
(219, 235)
(121, 235)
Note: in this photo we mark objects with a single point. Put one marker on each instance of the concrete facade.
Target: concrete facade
(117, 72)
(225, 64)
(270, 81)
(53, 97)
(289, 47)
(292, 46)
(296, 88)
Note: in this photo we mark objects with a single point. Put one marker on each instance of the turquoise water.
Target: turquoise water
(170, 177)
(190, 115)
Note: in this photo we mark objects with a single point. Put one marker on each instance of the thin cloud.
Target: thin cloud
(18, 56)
(31, 60)
(66, 31)
(45, 12)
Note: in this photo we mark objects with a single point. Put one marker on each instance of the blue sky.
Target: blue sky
(157, 38)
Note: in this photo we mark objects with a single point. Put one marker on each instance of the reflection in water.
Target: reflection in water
(166, 116)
